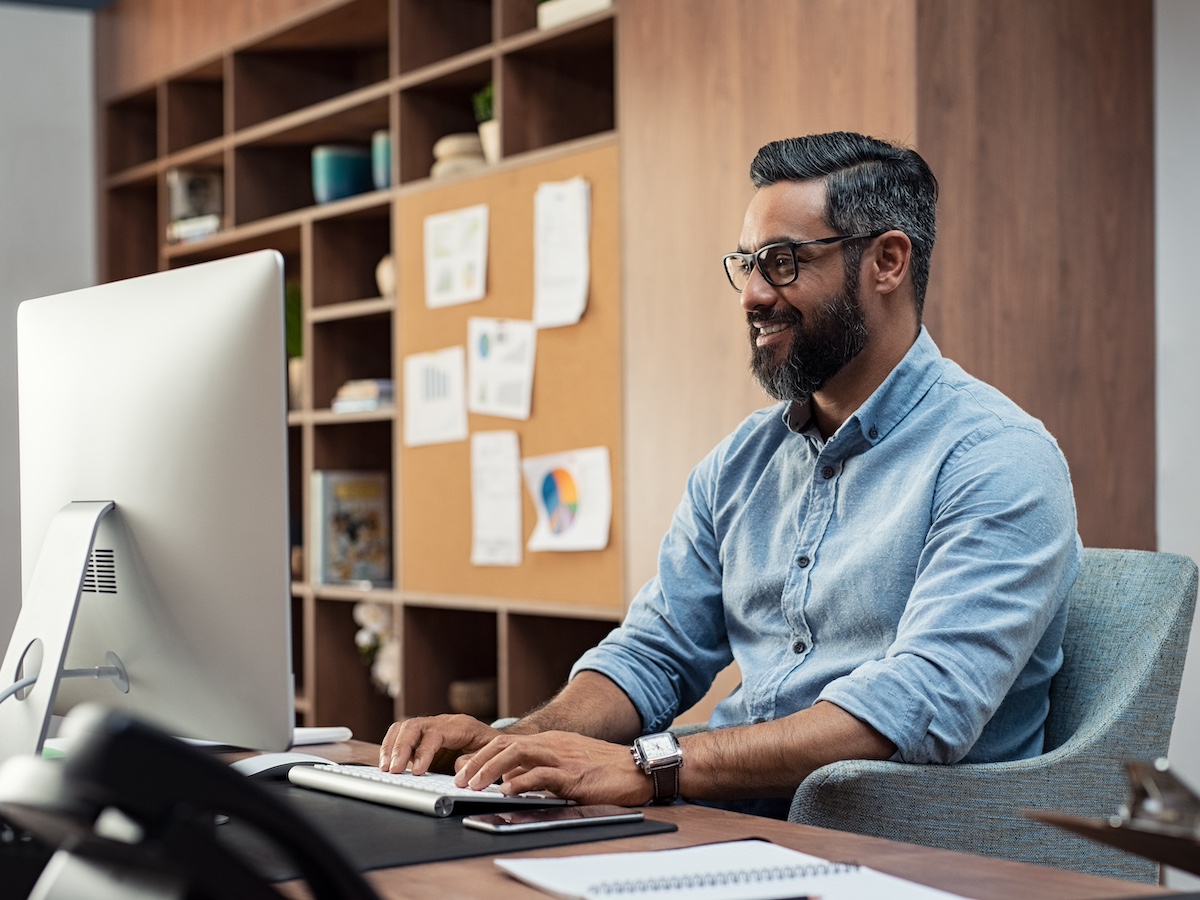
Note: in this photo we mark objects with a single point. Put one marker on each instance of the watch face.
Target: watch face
(658, 746)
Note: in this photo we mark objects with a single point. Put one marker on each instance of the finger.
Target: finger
(538, 778)
(469, 769)
(431, 742)
(512, 758)
(396, 751)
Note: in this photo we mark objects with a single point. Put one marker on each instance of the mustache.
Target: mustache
(789, 316)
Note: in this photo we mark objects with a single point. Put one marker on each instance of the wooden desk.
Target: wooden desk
(976, 877)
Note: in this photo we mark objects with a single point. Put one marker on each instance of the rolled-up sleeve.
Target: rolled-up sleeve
(986, 614)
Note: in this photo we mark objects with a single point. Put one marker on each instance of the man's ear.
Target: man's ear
(887, 261)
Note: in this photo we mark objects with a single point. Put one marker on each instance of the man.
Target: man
(886, 554)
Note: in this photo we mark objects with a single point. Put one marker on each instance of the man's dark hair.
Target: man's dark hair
(872, 185)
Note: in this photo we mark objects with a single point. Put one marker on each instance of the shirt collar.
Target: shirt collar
(904, 386)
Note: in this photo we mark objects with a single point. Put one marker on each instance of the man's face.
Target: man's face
(804, 333)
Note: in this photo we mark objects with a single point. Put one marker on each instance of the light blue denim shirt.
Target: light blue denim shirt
(913, 570)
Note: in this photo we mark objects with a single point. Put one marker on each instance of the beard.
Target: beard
(834, 335)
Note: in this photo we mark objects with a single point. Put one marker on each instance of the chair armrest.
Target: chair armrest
(878, 798)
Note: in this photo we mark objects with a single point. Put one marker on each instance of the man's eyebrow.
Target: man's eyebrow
(784, 239)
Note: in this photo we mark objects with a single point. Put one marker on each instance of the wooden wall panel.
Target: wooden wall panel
(138, 41)
(692, 111)
(1037, 119)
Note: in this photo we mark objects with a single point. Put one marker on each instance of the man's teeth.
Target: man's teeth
(771, 328)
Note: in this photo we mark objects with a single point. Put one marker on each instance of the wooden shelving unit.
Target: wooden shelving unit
(254, 112)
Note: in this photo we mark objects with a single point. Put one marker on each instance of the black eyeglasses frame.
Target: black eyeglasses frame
(751, 260)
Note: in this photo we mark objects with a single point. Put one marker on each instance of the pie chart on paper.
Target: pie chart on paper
(561, 498)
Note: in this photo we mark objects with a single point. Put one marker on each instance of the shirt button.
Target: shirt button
(827, 472)
(799, 647)
(873, 433)
(802, 562)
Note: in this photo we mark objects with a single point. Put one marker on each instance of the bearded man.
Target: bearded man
(886, 553)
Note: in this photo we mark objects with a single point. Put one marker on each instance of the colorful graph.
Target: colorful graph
(561, 497)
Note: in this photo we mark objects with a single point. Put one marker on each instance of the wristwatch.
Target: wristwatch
(660, 757)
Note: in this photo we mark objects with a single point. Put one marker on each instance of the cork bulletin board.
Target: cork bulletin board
(577, 390)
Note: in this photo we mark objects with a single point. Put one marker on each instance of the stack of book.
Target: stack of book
(364, 395)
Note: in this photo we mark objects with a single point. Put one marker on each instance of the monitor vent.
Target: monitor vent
(101, 574)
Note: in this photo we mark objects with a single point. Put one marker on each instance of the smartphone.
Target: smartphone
(554, 817)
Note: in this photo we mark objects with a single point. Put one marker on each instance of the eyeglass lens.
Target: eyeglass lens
(776, 262)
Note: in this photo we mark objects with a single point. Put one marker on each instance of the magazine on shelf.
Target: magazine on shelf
(351, 528)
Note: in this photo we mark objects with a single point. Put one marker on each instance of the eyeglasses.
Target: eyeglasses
(777, 262)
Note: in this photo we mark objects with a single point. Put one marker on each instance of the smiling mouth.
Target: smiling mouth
(772, 328)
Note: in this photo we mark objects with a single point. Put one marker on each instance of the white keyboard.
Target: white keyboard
(432, 794)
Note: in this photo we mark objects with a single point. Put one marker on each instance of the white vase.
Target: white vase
(385, 276)
(489, 136)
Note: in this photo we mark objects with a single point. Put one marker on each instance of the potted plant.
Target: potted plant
(489, 127)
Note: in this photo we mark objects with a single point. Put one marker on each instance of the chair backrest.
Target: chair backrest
(1127, 633)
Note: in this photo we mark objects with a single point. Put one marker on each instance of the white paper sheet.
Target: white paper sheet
(435, 408)
(572, 493)
(495, 498)
(735, 870)
(561, 263)
(500, 360)
(456, 256)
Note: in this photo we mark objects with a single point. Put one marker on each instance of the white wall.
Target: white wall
(47, 211)
(1177, 187)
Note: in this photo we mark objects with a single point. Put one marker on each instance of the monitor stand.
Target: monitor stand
(39, 641)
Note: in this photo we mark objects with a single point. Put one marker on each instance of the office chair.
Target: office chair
(1114, 699)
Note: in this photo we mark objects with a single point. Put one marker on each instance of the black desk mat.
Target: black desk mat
(372, 836)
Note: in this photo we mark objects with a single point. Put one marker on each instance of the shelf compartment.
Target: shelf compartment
(346, 251)
(433, 30)
(195, 107)
(559, 88)
(539, 652)
(273, 174)
(131, 131)
(353, 445)
(432, 109)
(324, 57)
(349, 348)
(341, 692)
(131, 232)
(441, 646)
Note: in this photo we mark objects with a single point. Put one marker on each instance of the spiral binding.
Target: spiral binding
(717, 879)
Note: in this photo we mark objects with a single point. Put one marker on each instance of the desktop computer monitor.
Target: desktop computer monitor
(154, 524)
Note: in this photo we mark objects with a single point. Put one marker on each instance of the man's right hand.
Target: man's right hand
(415, 742)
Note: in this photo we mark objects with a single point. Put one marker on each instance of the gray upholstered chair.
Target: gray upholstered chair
(1114, 699)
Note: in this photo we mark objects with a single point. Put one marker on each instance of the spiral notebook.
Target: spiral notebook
(737, 870)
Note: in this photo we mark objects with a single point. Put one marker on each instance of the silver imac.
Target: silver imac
(154, 524)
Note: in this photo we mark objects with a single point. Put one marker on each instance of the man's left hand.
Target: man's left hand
(568, 765)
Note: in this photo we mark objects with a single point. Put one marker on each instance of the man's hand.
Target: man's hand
(417, 741)
(566, 764)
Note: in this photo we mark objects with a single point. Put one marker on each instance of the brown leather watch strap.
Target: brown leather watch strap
(666, 785)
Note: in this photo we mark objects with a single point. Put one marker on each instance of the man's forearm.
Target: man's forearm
(590, 704)
(772, 758)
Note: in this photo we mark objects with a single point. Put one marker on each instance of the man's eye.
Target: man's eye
(779, 260)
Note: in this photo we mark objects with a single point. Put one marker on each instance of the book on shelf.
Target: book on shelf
(193, 229)
(734, 870)
(364, 395)
(351, 528)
